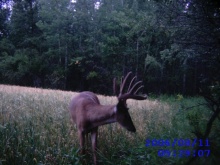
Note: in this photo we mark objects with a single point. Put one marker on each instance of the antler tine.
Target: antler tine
(131, 91)
(131, 83)
(123, 83)
(122, 79)
(139, 89)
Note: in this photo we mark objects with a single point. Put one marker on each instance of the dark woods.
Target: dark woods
(81, 45)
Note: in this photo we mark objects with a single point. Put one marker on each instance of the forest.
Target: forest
(173, 45)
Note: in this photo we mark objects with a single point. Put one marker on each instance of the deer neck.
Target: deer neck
(102, 114)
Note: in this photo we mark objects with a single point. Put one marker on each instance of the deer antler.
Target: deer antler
(132, 91)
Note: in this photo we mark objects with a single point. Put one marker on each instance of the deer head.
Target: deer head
(122, 115)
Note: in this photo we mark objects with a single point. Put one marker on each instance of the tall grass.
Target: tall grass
(35, 128)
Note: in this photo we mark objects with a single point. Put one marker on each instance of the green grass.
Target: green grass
(35, 128)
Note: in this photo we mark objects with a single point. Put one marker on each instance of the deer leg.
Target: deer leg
(82, 146)
(86, 140)
(94, 134)
(82, 142)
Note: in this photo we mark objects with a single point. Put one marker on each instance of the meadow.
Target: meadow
(36, 128)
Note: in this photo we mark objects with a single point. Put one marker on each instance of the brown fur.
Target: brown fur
(87, 113)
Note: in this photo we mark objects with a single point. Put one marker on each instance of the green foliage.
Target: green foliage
(194, 119)
(92, 75)
(14, 68)
(6, 47)
(179, 97)
(66, 38)
(170, 55)
(21, 67)
(152, 64)
(215, 91)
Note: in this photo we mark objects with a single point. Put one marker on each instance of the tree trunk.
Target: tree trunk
(137, 57)
(184, 76)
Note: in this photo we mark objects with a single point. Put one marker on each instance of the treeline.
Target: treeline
(80, 45)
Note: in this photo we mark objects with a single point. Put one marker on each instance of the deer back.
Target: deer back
(80, 104)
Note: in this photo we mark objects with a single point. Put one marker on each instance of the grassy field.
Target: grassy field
(35, 128)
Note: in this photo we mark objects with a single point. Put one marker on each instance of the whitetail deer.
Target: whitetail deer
(88, 113)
